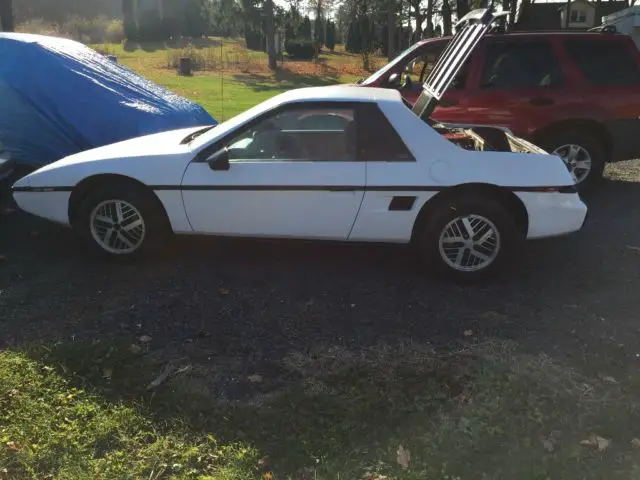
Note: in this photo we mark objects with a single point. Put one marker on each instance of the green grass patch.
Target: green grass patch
(52, 429)
(229, 78)
(400, 411)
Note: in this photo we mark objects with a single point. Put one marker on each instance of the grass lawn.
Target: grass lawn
(402, 411)
(233, 78)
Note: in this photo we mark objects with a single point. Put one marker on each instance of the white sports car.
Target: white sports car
(334, 163)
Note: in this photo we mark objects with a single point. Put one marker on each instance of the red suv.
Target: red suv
(576, 94)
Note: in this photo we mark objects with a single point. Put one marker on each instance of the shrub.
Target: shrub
(40, 27)
(300, 48)
(198, 59)
(114, 32)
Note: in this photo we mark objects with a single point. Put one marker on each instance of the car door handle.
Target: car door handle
(541, 101)
(448, 102)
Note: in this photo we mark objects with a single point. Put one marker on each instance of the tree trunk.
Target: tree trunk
(446, 18)
(391, 27)
(596, 14)
(429, 31)
(462, 8)
(6, 16)
(513, 10)
(419, 21)
(270, 34)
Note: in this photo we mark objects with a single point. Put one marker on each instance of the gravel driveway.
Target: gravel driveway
(575, 297)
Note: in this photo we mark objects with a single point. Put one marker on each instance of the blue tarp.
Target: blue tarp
(59, 97)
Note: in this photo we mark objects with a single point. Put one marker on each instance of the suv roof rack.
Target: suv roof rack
(604, 29)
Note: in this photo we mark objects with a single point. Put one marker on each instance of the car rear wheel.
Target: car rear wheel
(583, 154)
(468, 239)
(120, 221)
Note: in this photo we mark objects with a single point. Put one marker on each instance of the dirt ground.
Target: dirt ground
(575, 298)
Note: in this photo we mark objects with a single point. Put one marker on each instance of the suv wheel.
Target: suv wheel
(582, 153)
(469, 238)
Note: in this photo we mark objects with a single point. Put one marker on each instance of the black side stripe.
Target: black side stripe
(312, 188)
(42, 189)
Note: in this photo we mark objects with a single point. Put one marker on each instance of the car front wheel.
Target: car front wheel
(468, 239)
(120, 221)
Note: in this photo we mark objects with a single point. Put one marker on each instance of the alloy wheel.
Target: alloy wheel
(577, 159)
(469, 243)
(117, 226)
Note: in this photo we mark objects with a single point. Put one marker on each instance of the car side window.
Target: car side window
(520, 64)
(420, 68)
(378, 140)
(299, 133)
(604, 63)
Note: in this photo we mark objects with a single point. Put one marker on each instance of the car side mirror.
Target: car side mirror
(219, 161)
(394, 80)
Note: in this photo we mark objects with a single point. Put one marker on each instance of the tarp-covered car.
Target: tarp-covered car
(59, 97)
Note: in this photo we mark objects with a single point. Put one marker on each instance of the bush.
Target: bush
(300, 48)
(87, 30)
(40, 27)
(114, 32)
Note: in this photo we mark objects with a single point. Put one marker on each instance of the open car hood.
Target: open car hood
(469, 31)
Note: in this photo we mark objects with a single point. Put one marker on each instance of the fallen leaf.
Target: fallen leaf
(491, 315)
(403, 457)
(7, 211)
(255, 378)
(145, 339)
(224, 291)
(267, 475)
(633, 249)
(3, 258)
(548, 443)
(35, 234)
(467, 333)
(4, 474)
(635, 442)
(596, 441)
(107, 373)
(135, 349)
(608, 379)
(160, 379)
(13, 446)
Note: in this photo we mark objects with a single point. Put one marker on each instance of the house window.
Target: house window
(578, 16)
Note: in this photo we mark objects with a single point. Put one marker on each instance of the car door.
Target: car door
(291, 173)
(519, 84)
(609, 69)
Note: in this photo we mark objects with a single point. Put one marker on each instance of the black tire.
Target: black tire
(429, 233)
(588, 141)
(156, 227)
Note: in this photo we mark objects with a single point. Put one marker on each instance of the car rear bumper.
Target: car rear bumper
(553, 214)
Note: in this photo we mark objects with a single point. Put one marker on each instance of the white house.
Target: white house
(582, 14)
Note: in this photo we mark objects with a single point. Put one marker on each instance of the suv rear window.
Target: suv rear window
(604, 63)
(520, 64)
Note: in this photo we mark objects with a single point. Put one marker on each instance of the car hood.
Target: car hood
(157, 144)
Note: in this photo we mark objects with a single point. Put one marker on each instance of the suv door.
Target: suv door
(610, 76)
(519, 83)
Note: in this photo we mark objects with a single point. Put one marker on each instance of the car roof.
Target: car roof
(534, 33)
(345, 93)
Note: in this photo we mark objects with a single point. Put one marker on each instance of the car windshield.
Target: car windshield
(376, 75)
